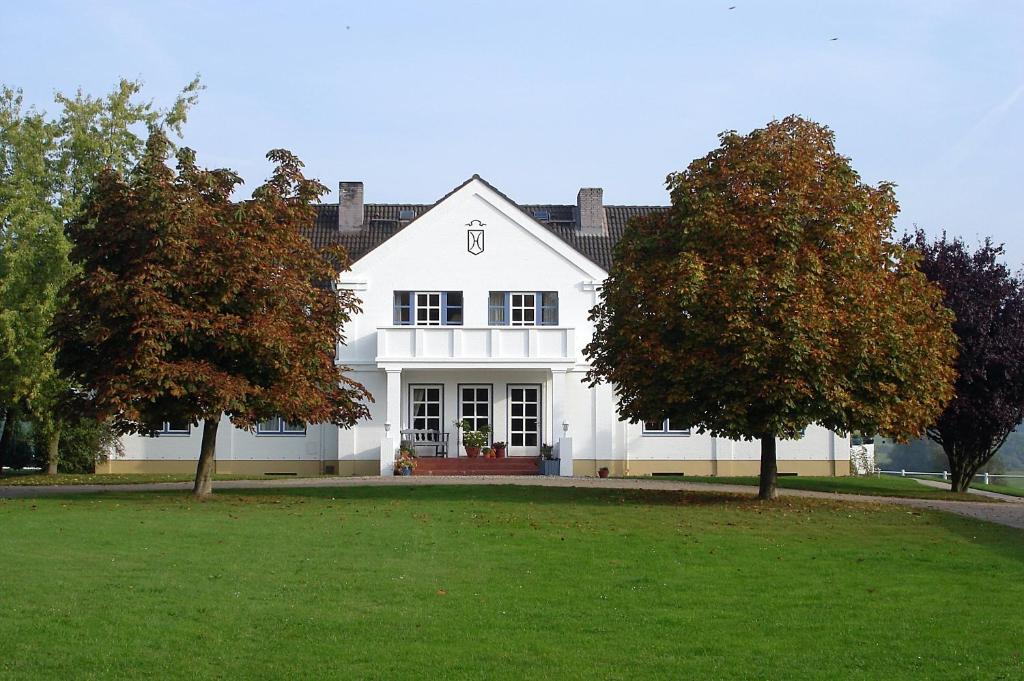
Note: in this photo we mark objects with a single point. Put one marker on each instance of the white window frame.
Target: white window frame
(523, 308)
(167, 431)
(664, 431)
(476, 417)
(413, 403)
(427, 307)
(514, 449)
(281, 428)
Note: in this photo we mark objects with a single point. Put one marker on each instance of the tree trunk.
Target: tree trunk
(53, 450)
(961, 474)
(207, 450)
(8, 435)
(769, 468)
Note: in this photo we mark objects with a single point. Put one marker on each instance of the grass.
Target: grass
(884, 486)
(502, 582)
(36, 479)
(1001, 489)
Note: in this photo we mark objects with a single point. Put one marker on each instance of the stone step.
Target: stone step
(478, 466)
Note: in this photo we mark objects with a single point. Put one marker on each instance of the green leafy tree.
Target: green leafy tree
(770, 297)
(46, 165)
(188, 306)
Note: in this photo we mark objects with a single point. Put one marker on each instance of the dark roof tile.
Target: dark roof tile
(381, 221)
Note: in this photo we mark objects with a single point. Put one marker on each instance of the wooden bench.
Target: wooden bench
(427, 438)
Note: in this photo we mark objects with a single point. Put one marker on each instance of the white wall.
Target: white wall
(234, 444)
(431, 255)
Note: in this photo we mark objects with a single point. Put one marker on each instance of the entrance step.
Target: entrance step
(515, 465)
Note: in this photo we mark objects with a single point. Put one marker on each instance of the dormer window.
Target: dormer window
(522, 308)
(428, 308)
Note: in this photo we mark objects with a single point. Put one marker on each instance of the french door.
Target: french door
(524, 420)
(475, 406)
(426, 407)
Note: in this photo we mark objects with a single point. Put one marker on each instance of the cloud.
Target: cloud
(979, 131)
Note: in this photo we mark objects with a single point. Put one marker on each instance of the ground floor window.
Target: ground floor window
(175, 428)
(276, 425)
(664, 428)
(426, 407)
(475, 405)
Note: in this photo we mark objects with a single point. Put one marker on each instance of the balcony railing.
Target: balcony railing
(540, 346)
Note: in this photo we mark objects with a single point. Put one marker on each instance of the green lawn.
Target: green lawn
(502, 582)
(1002, 489)
(36, 479)
(885, 486)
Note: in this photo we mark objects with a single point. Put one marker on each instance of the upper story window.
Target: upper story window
(175, 428)
(428, 308)
(664, 428)
(276, 425)
(522, 308)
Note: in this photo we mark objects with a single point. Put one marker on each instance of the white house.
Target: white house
(476, 308)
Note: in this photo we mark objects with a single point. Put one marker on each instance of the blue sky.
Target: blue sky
(544, 97)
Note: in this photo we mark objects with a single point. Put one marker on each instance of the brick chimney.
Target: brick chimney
(590, 218)
(350, 206)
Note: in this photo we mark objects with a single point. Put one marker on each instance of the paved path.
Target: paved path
(970, 490)
(1010, 514)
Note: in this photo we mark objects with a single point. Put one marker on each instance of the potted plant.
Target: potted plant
(473, 440)
(602, 471)
(549, 465)
(488, 453)
(499, 449)
(405, 462)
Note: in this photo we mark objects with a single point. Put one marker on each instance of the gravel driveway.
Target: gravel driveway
(1010, 512)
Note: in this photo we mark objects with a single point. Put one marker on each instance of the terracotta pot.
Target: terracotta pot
(499, 452)
(603, 472)
(472, 452)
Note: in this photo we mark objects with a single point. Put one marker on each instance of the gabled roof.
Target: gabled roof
(381, 221)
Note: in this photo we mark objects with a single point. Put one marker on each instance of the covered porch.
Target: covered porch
(523, 408)
(512, 381)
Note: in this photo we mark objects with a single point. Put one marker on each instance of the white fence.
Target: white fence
(985, 478)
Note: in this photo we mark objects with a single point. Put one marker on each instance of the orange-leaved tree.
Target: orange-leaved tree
(188, 306)
(770, 297)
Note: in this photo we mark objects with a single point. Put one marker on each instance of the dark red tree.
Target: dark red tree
(988, 301)
(189, 306)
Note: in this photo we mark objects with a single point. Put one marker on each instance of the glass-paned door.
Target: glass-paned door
(428, 309)
(524, 418)
(523, 309)
(475, 406)
(425, 407)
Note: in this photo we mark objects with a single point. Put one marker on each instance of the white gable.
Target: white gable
(441, 235)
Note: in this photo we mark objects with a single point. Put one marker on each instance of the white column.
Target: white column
(558, 418)
(392, 423)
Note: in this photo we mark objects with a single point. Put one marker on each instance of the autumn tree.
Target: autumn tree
(46, 165)
(770, 297)
(988, 302)
(190, 306)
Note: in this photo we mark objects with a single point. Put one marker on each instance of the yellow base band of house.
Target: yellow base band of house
(369, 467)
(618, 468)
(236, 467)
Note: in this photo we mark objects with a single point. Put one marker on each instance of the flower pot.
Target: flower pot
(499, 452)
(406, 471)
(472, 452)
(603, 472)
(550, 467)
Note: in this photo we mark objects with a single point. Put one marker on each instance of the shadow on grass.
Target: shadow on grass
(468, 495)
(1008, 541)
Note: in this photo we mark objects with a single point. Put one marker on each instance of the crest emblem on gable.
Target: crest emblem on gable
(475, 237)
